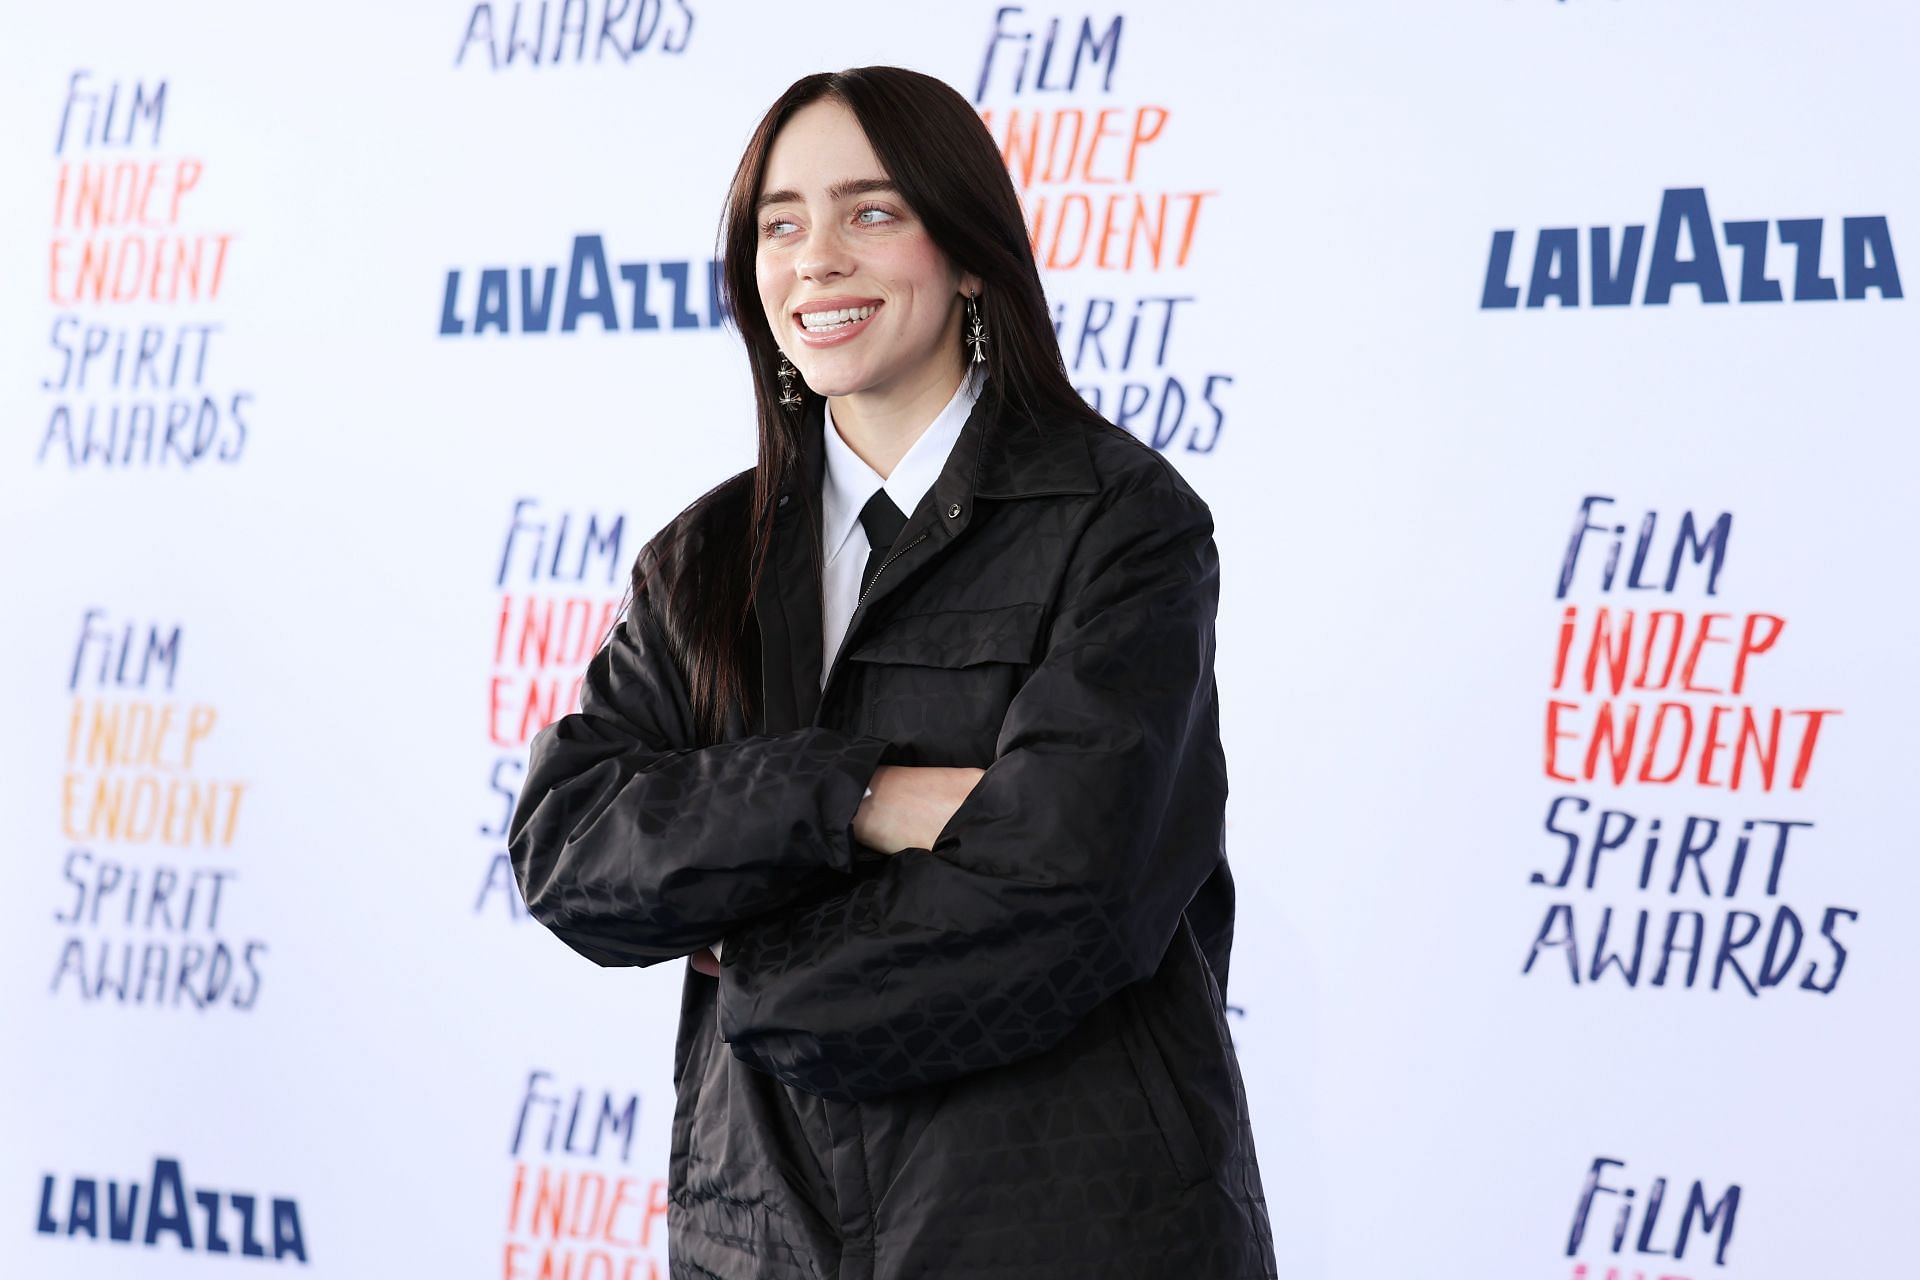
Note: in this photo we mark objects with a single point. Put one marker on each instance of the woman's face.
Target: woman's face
(835, 236)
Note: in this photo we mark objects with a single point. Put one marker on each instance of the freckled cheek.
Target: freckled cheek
(912, 274)
(766, 278)
(917, 259)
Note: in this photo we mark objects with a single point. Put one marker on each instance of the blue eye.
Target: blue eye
(767, 227)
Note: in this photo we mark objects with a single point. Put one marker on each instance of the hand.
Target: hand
(909, 808)
(911, 805)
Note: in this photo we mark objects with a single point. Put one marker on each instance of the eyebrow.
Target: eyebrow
(838, 191)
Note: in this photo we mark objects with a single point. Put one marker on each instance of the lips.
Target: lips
(826, 306)
(837, 303)
(843, 332)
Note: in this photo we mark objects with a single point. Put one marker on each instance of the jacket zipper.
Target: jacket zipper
(883, 566)
(841, 653)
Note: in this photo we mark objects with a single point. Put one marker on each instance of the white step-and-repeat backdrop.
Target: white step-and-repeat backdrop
(1549, 368)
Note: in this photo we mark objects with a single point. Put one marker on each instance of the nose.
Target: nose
(823, 256)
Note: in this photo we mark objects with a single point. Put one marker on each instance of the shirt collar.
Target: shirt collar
(849, 482)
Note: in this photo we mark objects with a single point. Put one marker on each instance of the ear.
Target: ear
(969, 284)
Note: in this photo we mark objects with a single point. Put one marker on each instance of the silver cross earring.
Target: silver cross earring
(976, 330)
(788, 396)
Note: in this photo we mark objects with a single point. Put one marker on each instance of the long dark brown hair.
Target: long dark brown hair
(946, 167)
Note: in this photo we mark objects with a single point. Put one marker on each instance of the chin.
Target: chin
(833, 383)
(831, 386)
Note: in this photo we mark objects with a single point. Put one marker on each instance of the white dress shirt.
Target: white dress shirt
(846, 485)
(845, 488)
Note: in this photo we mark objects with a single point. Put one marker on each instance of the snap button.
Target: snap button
(953, 511)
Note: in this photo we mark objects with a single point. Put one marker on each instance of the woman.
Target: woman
(954, 820)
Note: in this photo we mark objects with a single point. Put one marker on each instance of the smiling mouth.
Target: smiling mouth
(835, 321)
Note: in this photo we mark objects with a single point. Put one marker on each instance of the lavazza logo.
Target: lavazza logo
(1724, 262)
(166, 1212)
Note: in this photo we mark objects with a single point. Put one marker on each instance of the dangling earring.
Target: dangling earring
(976, 330)
(788, 396)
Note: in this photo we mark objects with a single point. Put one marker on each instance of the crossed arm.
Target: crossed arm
(1057, 877)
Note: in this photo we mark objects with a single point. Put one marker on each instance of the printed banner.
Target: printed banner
(1545, 367)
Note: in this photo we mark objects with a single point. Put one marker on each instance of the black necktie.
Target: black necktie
(882, 520)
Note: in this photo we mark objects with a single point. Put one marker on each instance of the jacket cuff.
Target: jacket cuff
(860, 762)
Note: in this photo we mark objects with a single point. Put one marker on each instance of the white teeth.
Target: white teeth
(820, 321)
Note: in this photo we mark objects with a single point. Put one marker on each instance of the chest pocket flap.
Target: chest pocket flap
(956, 638)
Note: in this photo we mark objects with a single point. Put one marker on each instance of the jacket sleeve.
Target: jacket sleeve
(1059, 879)
(634, 847)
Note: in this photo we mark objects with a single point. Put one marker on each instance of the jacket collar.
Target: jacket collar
(849, 482)
(996, 455)
(999, 454)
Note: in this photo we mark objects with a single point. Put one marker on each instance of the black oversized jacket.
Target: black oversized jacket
(1002, 1057)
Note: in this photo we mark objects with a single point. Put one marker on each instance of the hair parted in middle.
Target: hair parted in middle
(948, 170)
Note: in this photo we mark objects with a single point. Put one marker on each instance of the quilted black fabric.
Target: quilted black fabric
(1005, 1056)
